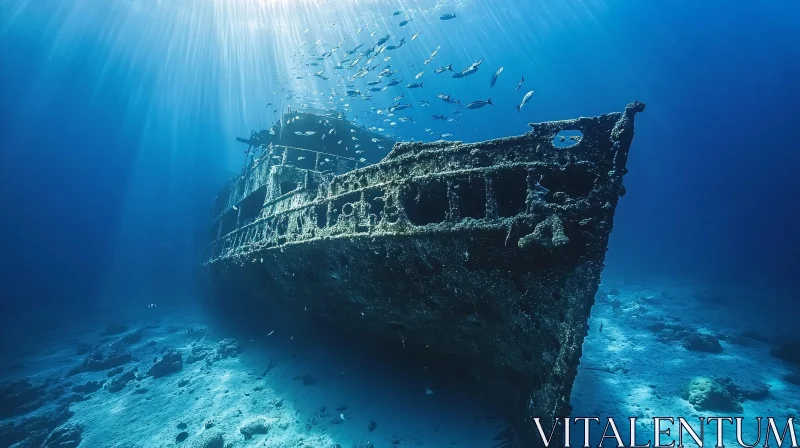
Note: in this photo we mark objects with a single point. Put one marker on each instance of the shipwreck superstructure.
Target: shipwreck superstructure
(489, 252)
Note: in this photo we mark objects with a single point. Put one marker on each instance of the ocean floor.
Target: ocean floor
(169, 377)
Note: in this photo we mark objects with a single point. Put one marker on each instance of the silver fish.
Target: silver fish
(479, 104)
(525, 99)
(430, 58)
(414, 86)
(520, 83)
(443, 69)
(494, 77)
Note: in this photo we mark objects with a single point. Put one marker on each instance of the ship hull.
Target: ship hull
(490, 253)
(452, 293)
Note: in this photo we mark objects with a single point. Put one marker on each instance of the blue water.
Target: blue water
(118, 119)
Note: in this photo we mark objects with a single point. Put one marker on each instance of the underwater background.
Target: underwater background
(118, 121)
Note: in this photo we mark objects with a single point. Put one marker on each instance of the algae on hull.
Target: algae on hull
(488, 252)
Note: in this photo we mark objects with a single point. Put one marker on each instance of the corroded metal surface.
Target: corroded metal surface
(490, 251)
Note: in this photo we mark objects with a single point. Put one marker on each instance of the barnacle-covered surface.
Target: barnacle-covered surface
(490, 252)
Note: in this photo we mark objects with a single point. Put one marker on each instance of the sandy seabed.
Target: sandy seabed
(167, 378)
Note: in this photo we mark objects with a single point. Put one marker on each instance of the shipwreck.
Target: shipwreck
(487, 252)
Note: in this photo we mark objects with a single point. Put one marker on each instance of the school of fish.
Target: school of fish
(364, 72)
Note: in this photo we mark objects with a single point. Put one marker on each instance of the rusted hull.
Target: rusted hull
(491, 252)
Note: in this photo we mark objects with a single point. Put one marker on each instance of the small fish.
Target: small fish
(479, 104)
(430, 58)
(472, 68)
(395, 82)
(339, 142)
(270, 333)
(404, 22)
(443, 69)
(428, 391)
(374, 140)
(414, 36)
(494, 77)
(374, 83)
(362, 160)
(414, 86)
(520, 83)
(397, 98)
(601, 327)
(438, 117)
(235, 208)
(396, 13)
(447, 16)
(402, 106)
(354, 138)
(445, 135)
(525, 99)
(424, 103)
(152, 306)
(383, 40)
(419, 75)
(300, 158)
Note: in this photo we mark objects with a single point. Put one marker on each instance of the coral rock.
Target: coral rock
(226, 348)
(19, 397)
(198, 353)
(698, 342)
(119, 382)
(741, 393)
(706, 394)
(33, 430)
(256, 425)
(209, 440)
(171, 362)
(788, 351)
